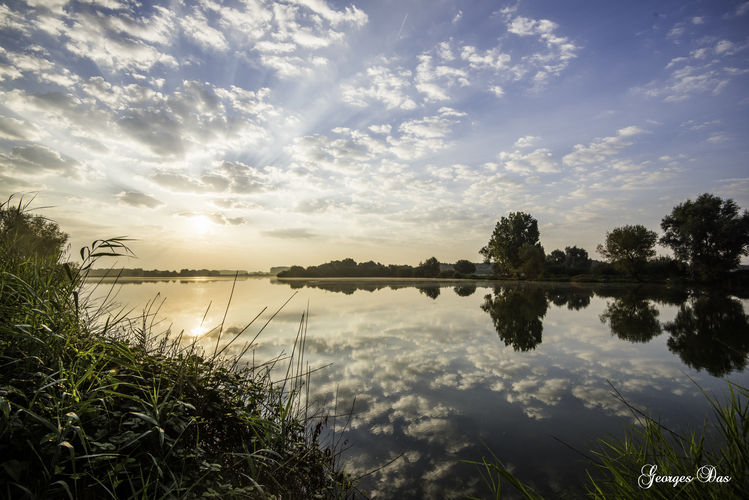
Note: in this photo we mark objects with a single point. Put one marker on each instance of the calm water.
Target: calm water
(437, 373)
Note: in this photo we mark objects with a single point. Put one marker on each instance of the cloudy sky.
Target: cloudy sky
(250, 133)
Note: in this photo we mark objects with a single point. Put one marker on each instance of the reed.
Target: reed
(98, 403)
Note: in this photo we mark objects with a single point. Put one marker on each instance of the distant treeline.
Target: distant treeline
(159, 273)
(349, 268)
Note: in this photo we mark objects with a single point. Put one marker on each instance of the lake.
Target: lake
(439, 372)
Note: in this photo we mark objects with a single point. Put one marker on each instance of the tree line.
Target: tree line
(348, 267)
(708, 236)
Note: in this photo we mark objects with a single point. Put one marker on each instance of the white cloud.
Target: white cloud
(601, 149)
(537, 161)
(491, 58)
(497, 90)
(381, 84)
(526, 141)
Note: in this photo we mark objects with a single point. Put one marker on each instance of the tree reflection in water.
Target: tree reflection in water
(430, 291)
(632, 317)
(574, 298)
(516, 313)
(464, 290)
(711, 332)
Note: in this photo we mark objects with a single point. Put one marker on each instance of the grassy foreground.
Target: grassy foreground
(107, 409)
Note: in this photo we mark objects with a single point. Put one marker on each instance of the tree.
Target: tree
(25, 235)
(629, 248)
(509, 236)
(531, 260)
(576, 260)
(707, 234)
(429, 268)
(556, 258)
(465, 267)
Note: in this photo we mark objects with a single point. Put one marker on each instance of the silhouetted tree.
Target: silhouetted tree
(430, 268)
(708, 234)
(465, 267)
(516, 314)
(509, 236)
(629, 248)
(633, 318)
(531, 260)
(576, 260)
(711, 333)
(555, 261)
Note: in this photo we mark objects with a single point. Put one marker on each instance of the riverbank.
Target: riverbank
(97, 405)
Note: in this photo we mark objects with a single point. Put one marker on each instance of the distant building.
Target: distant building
(277, 269)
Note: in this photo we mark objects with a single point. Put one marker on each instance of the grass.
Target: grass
(97, 404)
(621, 468)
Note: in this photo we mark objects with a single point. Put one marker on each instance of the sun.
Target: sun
(201, 225)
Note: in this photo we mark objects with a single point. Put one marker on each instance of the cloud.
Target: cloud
(492, 59)
(380, 129)
(379, 84)
(602, 148)
(15, 130)
(138, 199)
(497, 90)
(698, 72)
(227, 176)
(290, 233)
(36, 159)
(526, 141)
(216, 218)
(539, 160)
(434, 80)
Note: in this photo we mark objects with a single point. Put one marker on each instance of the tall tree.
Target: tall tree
(465, 267)
(430, 268)
(629, 248)
(576, 259)
(509, 236)
(708, 234)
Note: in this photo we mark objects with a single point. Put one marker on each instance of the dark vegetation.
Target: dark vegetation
(708, 238)
(349, 268)
(96, 405)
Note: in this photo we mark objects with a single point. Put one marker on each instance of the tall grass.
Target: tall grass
(95, 404)
(622, 468)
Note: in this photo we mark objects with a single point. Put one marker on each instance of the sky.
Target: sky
(247, 134)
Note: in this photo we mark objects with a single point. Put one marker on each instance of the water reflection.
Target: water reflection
(465, 290)
(516, 314)
(433, 376)
(632, 317)
(575, 298)
(711, 332)
(432, 291)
